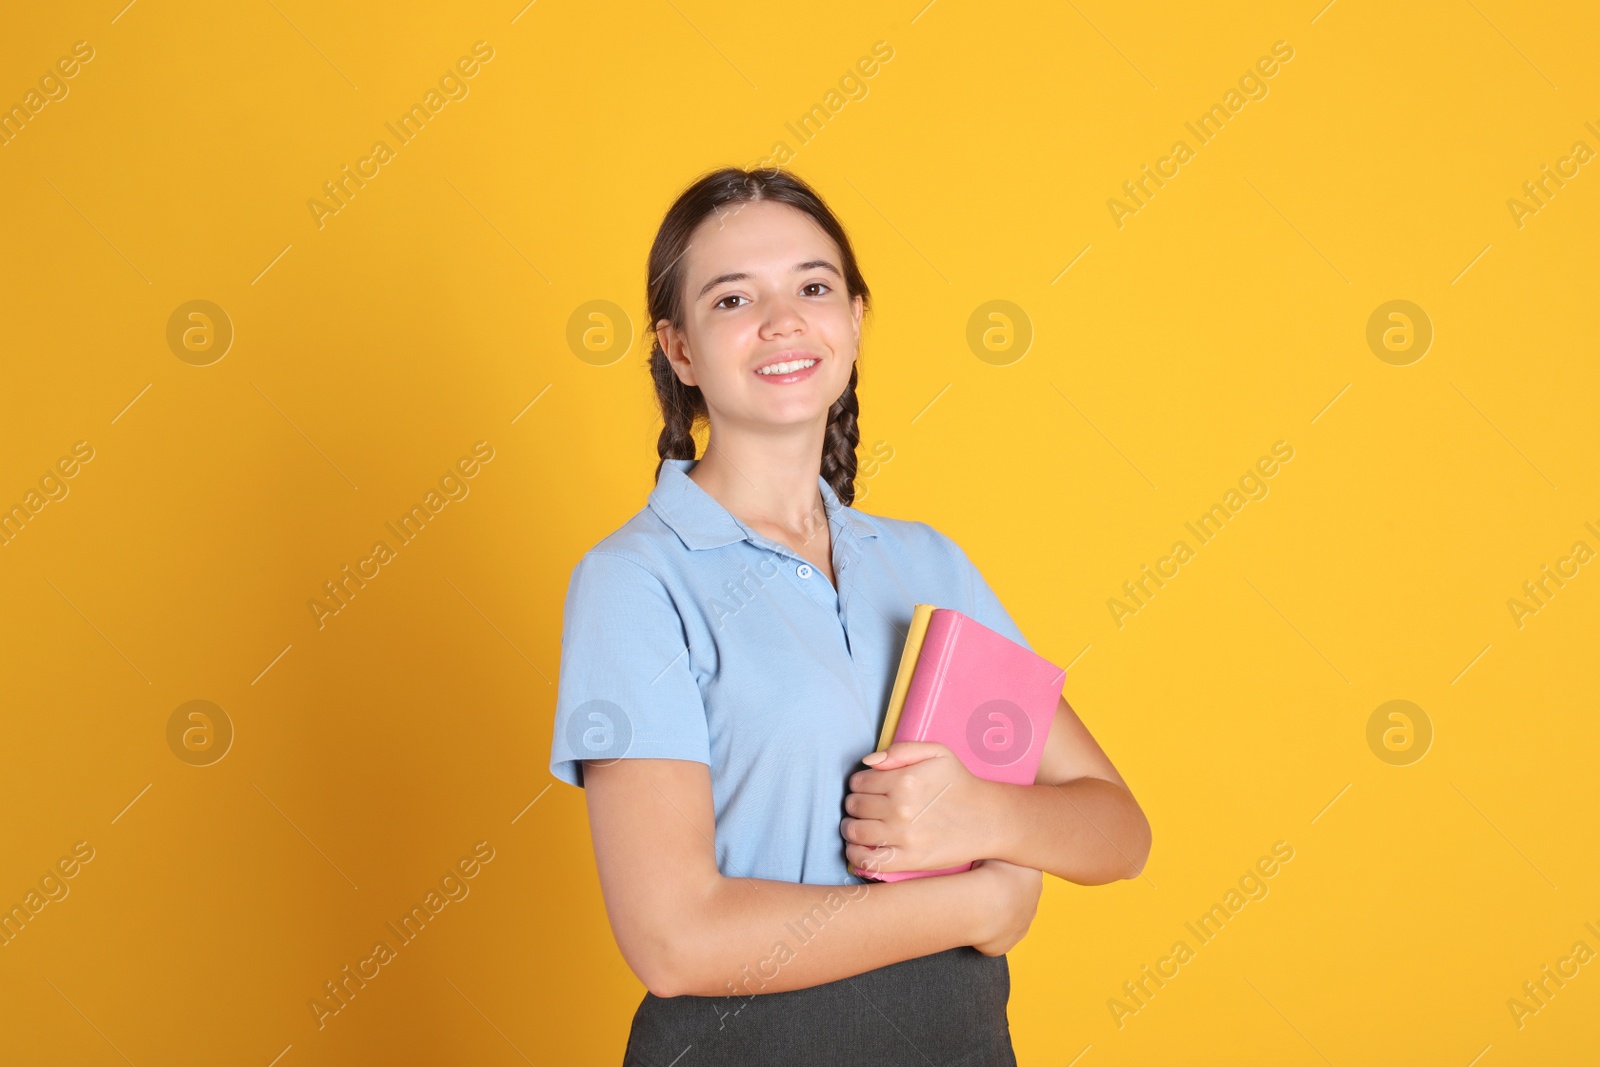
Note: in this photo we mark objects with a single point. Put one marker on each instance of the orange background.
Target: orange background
(1164, 355)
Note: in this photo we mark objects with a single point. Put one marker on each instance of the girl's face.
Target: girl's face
(764, 286)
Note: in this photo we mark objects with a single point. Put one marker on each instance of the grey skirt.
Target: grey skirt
(947, 1009)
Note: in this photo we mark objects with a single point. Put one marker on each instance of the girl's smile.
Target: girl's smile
(788, 368)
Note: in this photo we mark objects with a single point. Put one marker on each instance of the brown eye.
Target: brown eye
(814, 285)
(730, 296)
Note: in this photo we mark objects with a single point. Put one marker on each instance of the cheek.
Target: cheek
(839, 337)
(718, 347)
(844, 359)
(842, 366)
(842, 329)
(733, 338)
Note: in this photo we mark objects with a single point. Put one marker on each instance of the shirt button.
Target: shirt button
(804, 570)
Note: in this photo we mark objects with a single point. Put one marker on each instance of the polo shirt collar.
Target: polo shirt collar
(701, 522)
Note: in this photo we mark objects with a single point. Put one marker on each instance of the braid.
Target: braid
(680, 406)
(839, 442)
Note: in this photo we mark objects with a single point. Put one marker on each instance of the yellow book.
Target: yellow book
(908, 664)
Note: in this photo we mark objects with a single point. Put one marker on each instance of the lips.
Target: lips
(793, 370)
(786, 368)
(787, 357)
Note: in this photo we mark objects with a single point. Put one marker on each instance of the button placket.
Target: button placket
(822, 592)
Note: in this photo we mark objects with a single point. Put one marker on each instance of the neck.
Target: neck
(774, 486)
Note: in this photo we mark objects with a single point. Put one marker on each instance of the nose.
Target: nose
(783, 317)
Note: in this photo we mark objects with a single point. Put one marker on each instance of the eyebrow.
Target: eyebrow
(810, 264)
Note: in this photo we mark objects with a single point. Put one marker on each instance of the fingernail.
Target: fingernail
(876, 757)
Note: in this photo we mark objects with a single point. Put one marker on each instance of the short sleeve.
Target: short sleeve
(626, 689)
(985, 605)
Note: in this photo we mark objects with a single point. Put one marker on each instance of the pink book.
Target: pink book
(988, 699)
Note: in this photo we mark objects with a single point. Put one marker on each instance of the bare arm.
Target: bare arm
(684, 928)
(1088, 830)
(916, 807)
(1079, 820)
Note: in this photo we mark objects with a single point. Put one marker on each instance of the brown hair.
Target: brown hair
(683, 405)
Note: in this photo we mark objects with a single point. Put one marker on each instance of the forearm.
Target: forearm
(1088, 830)
(757, 936)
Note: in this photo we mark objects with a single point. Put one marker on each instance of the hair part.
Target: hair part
(683, 407)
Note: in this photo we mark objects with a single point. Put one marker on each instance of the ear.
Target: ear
(676, 348)
(857, 306)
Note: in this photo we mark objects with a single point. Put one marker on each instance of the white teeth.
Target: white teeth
(787, 368)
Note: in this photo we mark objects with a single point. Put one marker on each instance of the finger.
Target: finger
(868, 805)
(903, 753)
(872, 859)
(869, 781)
(863, 831)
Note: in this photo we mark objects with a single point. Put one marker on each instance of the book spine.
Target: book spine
(927, 679)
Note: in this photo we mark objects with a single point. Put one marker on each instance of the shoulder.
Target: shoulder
(913, 535)
(627, 583)
(639, 553)
(918, 546)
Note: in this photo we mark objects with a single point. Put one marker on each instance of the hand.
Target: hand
(917, 808)
(1008, 896)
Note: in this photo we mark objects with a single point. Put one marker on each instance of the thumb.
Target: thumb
(904, 753)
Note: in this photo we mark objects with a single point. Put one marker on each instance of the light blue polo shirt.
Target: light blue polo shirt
(688, 635)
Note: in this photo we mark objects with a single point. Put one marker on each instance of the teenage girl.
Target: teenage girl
(727, 657)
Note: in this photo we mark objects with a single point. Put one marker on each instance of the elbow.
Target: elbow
(1141, 844)
(655, 976)
(687, 970)
(661, 984)
(670, 960)
(672, 974)
(658, 964)
(668, 942)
